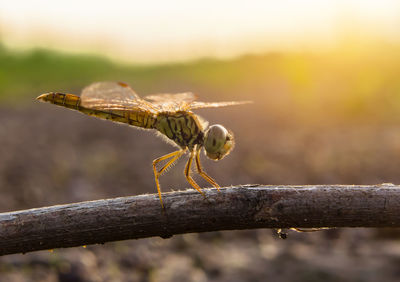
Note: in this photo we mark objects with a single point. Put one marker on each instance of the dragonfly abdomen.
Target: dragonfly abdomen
(134, 117)
(182, 127)
(70, 101)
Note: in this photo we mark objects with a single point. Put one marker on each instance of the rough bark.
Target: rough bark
(242, 207)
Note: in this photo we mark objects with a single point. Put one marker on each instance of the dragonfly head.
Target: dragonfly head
(218, 142)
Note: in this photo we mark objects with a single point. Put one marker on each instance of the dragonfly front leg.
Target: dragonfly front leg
(200, 170)
(187, 173)
(174, 156)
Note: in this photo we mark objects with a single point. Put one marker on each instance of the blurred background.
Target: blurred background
(324, 76)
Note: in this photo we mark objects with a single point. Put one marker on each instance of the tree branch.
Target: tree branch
(244, 207)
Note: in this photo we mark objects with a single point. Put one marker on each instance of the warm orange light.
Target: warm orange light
(179, 30)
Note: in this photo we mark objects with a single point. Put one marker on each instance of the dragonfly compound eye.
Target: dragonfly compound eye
(218, 142)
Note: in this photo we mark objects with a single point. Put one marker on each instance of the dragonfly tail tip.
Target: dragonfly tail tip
(40, 97)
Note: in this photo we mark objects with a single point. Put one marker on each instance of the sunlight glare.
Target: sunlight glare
(180, 30)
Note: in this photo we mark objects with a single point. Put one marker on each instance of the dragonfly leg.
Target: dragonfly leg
(171, 161)
(200, 170)
(187, 174)
(157, 173)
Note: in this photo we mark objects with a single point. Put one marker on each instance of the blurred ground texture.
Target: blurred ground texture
(317, 119)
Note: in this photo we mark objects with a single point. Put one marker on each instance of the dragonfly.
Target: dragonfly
(168, 114)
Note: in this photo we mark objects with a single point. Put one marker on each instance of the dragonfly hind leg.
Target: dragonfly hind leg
(203, 174)
(174, 156)
(187, 174)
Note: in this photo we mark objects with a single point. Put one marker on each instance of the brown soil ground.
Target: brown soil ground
(50, 155)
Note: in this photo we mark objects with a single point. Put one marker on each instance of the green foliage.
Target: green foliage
(343, 83)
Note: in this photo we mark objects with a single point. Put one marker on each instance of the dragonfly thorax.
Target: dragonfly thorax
(184, 128)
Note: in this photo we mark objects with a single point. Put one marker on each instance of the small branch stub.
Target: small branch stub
(242, 207)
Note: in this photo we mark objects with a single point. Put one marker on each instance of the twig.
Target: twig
(244, 207)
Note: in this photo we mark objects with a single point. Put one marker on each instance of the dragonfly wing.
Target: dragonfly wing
(110, 95)
(172, 102)
(167, 97)
(200, 105)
